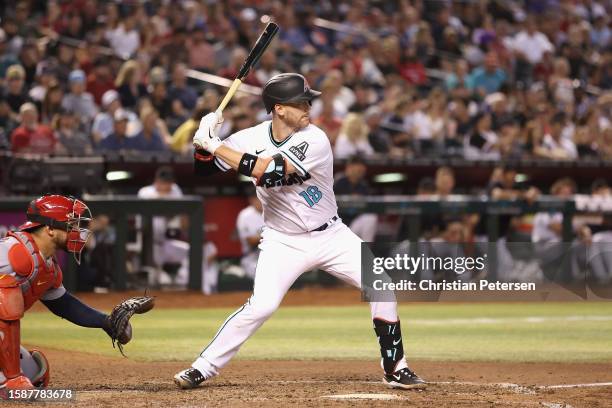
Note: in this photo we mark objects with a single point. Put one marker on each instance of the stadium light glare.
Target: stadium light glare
(118, 175)
(389, 178)
(521, 178)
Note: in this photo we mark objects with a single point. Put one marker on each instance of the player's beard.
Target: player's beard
(303, 121)
(61, 241)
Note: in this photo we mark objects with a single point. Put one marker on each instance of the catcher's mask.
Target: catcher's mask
(66, 213)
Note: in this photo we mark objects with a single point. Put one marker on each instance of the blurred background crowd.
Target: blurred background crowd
(506, 81)
(473, 79)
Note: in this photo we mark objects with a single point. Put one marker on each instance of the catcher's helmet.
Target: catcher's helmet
(65, 213)
(287, 88)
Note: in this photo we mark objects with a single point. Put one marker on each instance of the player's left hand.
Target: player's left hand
(118, 324)
(206, 137)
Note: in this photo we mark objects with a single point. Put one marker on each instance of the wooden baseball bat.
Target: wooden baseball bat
(258, 49)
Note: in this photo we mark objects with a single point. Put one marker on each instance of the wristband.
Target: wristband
(247, 164)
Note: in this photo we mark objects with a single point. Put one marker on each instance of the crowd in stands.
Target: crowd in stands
(406, 78)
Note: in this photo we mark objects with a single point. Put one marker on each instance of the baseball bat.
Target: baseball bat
(258, 49)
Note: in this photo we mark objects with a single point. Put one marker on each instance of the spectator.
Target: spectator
(7, 124)
(16, 93)
(180, 141)
(353, 138)
(560, 85)
(488, 78)
(378, 137)
(460, 124)
(179, 91)
(52, 103)
(153, 135)
(129, 84)
(45, 78)
(328, 119)
(124, 39)
(585, 141)
(103, 124)
(201, 53)
(71, 140)
(267, 67)
(444, 182)
(118, 139)
(100, 80)
(529, 46)
(31, 136)
(343, 96)
(79, 101)
(554, 146)
(429, 125)
(353, 183)
(458, 81)
(483, 142)
(158, 92)
(601, 37)
(249, 223)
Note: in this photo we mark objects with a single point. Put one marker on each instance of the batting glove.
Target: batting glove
(206, 137)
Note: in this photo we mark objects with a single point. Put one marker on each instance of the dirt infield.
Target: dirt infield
(110, 382)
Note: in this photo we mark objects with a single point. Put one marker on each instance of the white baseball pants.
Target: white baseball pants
(283, 258)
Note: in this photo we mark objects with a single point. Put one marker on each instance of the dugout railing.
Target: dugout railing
(411, 207)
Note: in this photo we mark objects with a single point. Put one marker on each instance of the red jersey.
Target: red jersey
(38, 140)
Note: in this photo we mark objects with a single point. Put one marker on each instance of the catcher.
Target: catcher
(29, 271)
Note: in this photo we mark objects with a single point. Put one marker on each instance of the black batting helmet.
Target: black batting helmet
(287, 88)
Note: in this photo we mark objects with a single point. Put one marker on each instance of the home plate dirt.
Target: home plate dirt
(118, 382)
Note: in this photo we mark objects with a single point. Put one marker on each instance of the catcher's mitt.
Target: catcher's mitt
(118, 323)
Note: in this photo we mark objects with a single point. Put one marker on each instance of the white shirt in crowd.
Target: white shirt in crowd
(123, 43)
(345, 148)
(533, 46)
(564, 143)
(423, 126)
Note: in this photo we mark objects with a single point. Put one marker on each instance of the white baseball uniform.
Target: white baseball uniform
(293, 209)
(177, 251)
(249, 224)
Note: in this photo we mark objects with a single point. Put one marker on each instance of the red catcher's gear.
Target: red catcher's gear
(9, 349)
(65, 213)
(19, 383)
(34, 277)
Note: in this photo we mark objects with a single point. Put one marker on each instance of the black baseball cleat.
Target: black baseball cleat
(404, 379)
(189, 378)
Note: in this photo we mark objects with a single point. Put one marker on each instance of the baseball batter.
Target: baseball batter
(291, 163)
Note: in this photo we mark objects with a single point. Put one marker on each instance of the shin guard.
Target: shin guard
(390, 340)
(9, 348)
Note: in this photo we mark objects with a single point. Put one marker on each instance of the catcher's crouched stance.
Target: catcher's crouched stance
(29, 272)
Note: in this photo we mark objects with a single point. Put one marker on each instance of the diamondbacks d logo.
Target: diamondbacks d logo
(300, 150)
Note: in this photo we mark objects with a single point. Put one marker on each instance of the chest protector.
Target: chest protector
(41, 275)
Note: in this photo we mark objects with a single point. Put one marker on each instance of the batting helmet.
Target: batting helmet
(65, 213)
(287, 88)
